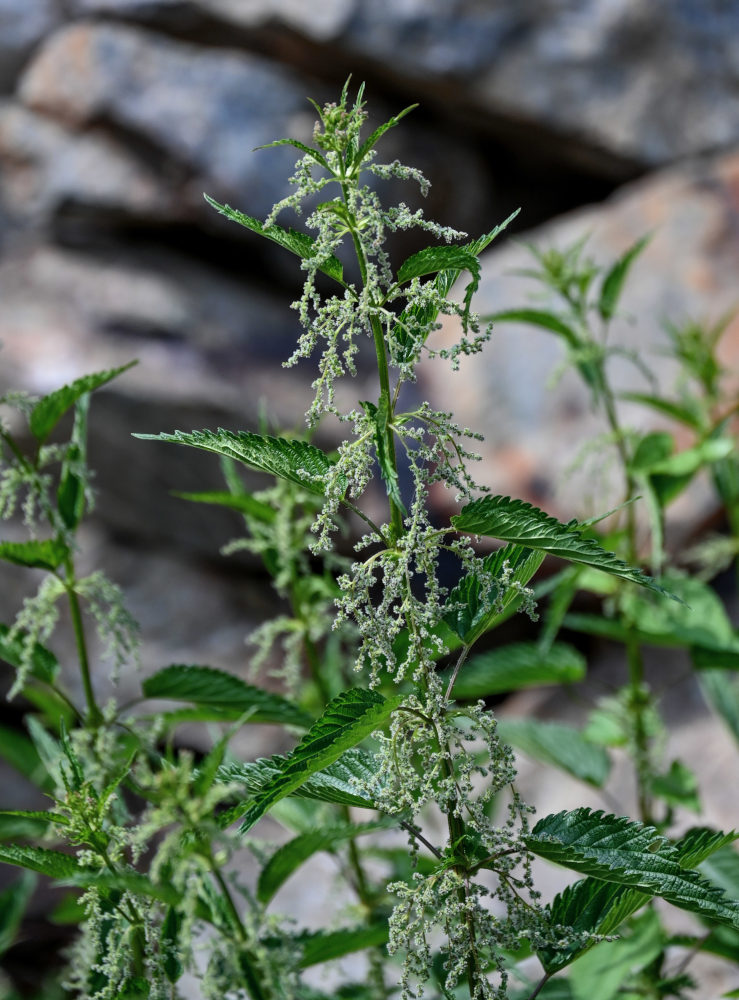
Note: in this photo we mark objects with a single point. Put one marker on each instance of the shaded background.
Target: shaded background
(613, 117)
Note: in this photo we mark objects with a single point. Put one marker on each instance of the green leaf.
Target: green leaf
(244, 503)
(616, 849)
(431, 260)
(301, 244)
(721, 691)
(559, 745)
(48, 554)
(520, 522)
(699, 843)
(44, 664)
(335, 783)
(346, 721)
(537, 317)
(516, 666)
(308, 150)
(70, 498)
(325, 946)
(373, 138)
(49, 410)
(297, 461)
(207, 686)
(481, 600)
(380, 417)
(721, 868)
(13, 903)
(677, 787)
(686, 413)
(296, 852)
(589, 906)
(605, 969)
(652, 449)
(613, 282)
(40, 859)
(703, 622)
(169, 944)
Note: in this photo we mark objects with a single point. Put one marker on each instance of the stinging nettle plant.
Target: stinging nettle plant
(391, 731)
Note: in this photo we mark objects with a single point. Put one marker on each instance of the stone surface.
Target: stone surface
(22, 25)
(47, 168)
(649, 82)
(205, 110)
(687, 271)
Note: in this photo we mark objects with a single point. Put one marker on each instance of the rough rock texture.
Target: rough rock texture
(651, 82)
(204, 109)
(687, 271)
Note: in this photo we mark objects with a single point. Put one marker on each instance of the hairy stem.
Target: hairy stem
(94, 715)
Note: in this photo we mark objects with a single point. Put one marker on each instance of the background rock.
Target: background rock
(118, 114)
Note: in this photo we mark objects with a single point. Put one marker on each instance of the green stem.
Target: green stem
(94, 715)
(227, 899)
(383, 369)
(641, 737)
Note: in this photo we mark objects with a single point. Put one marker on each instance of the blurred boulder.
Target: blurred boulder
(204, 109)
(46, 168)
(646, 83)
(534, 434)
(23, 23)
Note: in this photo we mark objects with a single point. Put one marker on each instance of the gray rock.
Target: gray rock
(23, 23)
(47, 168)
(533, 434)
(645, 83)
(320, 21)
(202, 109)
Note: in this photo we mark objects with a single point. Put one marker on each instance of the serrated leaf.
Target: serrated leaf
(296, 144)
(297, 461)
(207, 686)
(480, 600)
(380, 416)
(516, 521)
(48, 554)
(699, 843)
(516, 666)
(346, 721)
(44, 663)
(301, 244)
(373, 138)
(559, 745)
(431, 260)
(49, 410)
(620, 850)
(335, 783)
(613, 282)
(588, 906)
(416, 322)
(244, 503)
(40, 859)
(13, 903)
(290, 856)
(325, 946)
